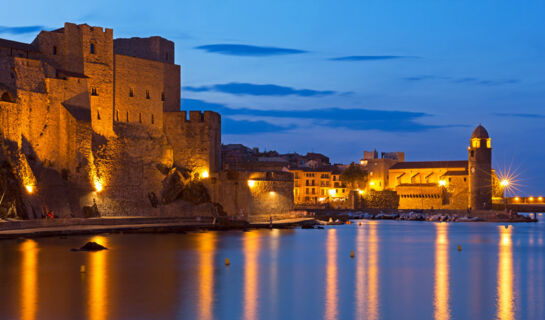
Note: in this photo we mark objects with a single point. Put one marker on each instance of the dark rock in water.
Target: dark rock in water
(91, 246)
(319, 227)
(307, 226)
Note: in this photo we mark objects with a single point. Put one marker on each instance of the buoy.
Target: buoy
(459, 247)
(227, 262)
(82, 269)
(351, 253)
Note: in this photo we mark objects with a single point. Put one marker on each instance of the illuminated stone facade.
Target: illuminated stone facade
(448, 184)
(88, 118)
(316, 186)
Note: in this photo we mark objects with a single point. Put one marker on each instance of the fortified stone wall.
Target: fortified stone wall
(252, 193)
(165, 72)
(196, 141)
(139, 91)
(64, 101)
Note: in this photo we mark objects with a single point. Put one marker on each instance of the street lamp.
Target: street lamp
(504, 184)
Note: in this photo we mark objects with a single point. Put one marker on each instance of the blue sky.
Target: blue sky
(340, 77)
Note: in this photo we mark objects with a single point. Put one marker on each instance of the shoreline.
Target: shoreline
(87, 226)
(68, 227)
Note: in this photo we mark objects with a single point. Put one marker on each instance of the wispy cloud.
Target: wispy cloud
(21, 30)
(462, 80)
(259, 90)
(368, 58)
(354, 119)
(248, 50)
(522, 115)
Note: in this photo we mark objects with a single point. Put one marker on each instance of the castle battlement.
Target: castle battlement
(102, 112)
(84, 28)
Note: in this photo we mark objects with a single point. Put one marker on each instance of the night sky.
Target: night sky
(340, 77)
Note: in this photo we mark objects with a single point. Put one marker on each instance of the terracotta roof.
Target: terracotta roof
(456, 173)
(480, 133)
(430, 164)
(332, 169)
(417, 185)
(17, 45)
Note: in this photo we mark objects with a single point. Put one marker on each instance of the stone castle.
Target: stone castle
(92, 121)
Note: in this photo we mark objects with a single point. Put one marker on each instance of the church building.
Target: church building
(458, 184)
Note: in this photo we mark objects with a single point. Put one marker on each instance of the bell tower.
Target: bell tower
(480, 170)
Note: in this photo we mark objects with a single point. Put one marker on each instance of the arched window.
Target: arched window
(6, 96)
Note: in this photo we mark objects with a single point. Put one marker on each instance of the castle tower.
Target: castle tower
(480, 170)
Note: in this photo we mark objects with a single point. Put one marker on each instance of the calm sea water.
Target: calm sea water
(400, 270)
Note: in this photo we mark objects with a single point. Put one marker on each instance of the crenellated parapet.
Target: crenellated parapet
(196, 139)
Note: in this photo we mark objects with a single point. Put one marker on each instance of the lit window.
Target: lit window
(488, 144)
(476, 143)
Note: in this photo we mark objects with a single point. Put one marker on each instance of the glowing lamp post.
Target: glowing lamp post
(504, 185)
(98, 186)
(29, 188)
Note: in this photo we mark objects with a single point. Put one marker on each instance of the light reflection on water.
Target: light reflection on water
(441, 299)
(331, 301)
(251, 280)
(283, 274)
(505, 275)
(29, 277)
(207, 247)
(373, 272)
(98, 281)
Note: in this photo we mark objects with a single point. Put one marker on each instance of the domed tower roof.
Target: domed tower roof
(479, 133)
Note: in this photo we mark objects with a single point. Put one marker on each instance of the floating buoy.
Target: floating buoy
(227, 262)
(459, 247)
(351, 253)
(82, 269)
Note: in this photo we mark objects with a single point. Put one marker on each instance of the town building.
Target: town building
(318, 186)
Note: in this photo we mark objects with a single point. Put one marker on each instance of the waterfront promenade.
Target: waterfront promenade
(79, 226)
